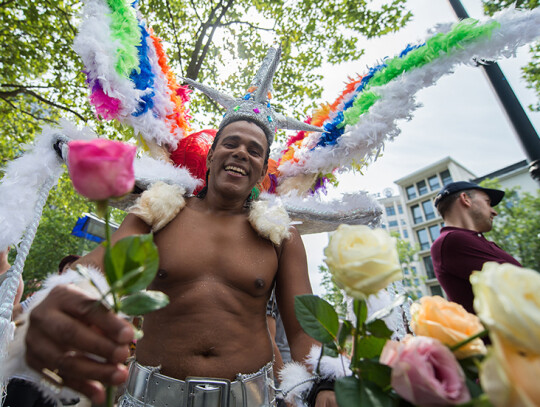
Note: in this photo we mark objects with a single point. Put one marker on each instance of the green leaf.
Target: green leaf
(375, 372)
(317, 318)
(135, 261)
(143, 302)
(345, 332)
(360, 310)
(351, 392)
(379, 329)
(370, 346)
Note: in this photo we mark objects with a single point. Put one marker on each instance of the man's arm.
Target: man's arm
(292, 280)
(68, 325)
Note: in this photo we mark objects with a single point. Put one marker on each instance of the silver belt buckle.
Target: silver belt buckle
(223, 385)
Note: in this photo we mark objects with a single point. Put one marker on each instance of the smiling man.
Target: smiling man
(461, 248)
(210, 346)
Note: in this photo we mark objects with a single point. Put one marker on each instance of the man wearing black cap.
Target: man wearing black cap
(461, 248)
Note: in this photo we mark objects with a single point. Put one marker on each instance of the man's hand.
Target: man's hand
(86, 343)
(326, 398)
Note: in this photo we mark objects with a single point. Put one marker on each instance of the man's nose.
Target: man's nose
(494, 212)
(240, 152)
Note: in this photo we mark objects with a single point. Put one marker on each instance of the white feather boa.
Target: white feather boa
(297, 380)
(25, 176)
(365, 139)
(159, 204)
(15, 364)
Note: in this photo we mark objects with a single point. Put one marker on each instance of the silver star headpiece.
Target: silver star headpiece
(255, 105)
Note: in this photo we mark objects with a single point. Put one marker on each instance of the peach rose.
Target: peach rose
(509, 376)
(425, 372)
(100, 168)
(448, 322)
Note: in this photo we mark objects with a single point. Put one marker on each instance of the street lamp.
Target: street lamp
(518, 118)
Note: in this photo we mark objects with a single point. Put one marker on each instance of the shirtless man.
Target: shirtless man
(218, 273)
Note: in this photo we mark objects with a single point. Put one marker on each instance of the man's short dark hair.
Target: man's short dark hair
(445, 205)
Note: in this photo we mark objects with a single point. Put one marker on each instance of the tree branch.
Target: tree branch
(192, 72)
(214, 28)
(37, 118)
(12, 93)
(177, 43)
(195, 10)
(246, 23)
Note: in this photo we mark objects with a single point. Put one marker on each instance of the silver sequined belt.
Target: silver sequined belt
(147, 387)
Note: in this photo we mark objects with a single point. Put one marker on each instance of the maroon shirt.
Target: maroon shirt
(456, 254)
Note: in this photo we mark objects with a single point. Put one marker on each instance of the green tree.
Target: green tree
(333, 294)
(407, 255)
(517, 227)
(531, 71)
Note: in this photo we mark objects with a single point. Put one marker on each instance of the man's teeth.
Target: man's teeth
(235, 169)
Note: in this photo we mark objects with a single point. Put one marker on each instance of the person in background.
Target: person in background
(468, 212)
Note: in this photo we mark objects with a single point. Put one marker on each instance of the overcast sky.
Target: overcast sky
(460, 117)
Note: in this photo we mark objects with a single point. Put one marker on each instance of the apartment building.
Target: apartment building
(417, 191)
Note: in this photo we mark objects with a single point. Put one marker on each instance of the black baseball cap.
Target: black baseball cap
(495, 195)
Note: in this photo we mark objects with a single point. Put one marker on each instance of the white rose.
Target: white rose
(362, 261)
(506, 299)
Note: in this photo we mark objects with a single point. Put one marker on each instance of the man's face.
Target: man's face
(481, 211)
(238, 161)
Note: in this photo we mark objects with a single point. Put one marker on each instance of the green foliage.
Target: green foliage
(407, 254)
(516, 228)
(207, 36)
(531, 71)
(333, 293)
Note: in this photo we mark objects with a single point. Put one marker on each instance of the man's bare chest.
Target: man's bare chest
(196, 248)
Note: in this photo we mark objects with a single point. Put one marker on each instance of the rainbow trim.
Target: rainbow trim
(128, 73)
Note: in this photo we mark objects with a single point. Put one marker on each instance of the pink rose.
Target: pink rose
(425, 372)
(100, 168)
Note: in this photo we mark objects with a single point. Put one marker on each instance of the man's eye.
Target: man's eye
(255, 152)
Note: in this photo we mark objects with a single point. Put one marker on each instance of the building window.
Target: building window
(436, 290)
(428, 210)
(423, 239)
(446, 177)
(419, 294)
(417, 214)
(411, 192)
(422, 187)
(390, 211)
(429, 267)
(434, 232)
(413, 270)
(434, 183)
(392, 224)
(383, 226)
(405, 234)
(400, 209)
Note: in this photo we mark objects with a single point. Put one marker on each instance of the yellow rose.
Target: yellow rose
(362, 261)
(509, 376)
(507, 300)
(448, 322)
